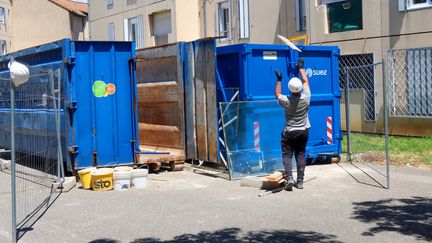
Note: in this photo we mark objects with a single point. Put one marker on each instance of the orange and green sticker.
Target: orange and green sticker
(100, 89)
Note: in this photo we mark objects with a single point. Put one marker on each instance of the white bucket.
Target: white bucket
(139, 178)
(123, 168)
(121, 180)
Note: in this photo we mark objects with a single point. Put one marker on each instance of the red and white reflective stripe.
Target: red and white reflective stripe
(329, 130)
(256, 136)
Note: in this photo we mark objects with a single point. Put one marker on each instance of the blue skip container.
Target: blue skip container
(98, 103)
(251, 69)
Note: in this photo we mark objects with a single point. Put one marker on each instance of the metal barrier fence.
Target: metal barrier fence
(361, 79)
(379, 154)
(410, 82)
(30, 121)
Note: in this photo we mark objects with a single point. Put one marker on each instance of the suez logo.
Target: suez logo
(320, 72)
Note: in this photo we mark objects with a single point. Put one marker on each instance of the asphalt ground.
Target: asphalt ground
(345, 203)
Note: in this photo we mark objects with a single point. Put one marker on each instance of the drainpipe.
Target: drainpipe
(89, 19)
(205, 17)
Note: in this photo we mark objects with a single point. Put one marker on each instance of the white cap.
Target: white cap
(295, 85)
(19, 72)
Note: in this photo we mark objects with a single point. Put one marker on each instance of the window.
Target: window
(321, 2)
(132, 25)
(133, 31)
(419, 82)
(345, 16)
(110, 4)
(161, 27)
(2, 16)
(360, 79)
(224, 20)
(111, 32)
(414, 4)
(301, 15)
(244, 19)
(3, 47)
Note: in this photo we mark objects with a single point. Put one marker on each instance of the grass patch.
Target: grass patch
(408, 149)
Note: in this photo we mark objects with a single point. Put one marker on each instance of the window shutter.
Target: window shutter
(297, 6)
(244, 18)
(126, 29)
(402, 5)
(140, 32)
(111, 32)
(217, 20)
(2, 16)
(162, 23)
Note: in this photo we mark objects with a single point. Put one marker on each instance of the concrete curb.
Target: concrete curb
(68, 184)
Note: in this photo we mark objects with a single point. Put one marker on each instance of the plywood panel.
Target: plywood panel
(201, 101)
(191, 145)
(210, 78)
(160, 97)
(180, 103)
(156, 69)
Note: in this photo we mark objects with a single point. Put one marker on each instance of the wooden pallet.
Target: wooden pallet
(174, 161)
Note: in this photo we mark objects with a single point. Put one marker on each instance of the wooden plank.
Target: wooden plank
(160, 97)
(175, 155)
(180, 85)
(158, 103)
(210, 77)
(156, 69)
(159, 135)
(158, 51)
(191, 149)
(200, 101)
(159, 113)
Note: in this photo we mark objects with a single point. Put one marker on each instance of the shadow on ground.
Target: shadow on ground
(412, 216)
(236, 235)
(26, 225)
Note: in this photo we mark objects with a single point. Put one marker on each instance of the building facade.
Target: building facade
(156, 22)
(147, 22)
(41, 21)
(365, 31)
(252, 21)
(24, 24)
(6, 33)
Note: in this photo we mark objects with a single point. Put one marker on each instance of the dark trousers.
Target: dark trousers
(294, 142)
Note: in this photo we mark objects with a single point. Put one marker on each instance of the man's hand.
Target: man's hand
(300, 64)
(278, 75)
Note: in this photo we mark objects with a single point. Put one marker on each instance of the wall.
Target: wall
(384, 28)
(33, 26)
(79, 28)
(267, 19)
(6, 30)
(187, 20)
(184, 18)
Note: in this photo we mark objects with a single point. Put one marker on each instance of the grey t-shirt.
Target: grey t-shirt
(296, 110)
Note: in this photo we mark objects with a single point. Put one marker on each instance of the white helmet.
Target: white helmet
(295, 85)
(19, 72)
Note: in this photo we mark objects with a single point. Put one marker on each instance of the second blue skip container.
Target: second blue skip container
(251, 69)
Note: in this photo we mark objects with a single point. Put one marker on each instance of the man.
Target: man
(296, 132)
